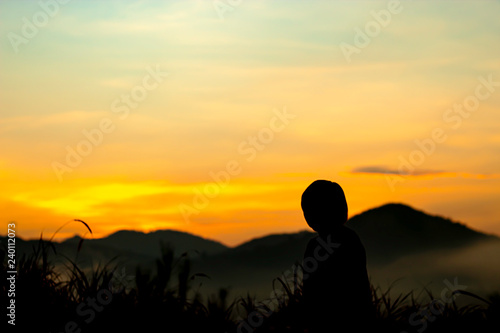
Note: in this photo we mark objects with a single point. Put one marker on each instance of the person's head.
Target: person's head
(324, 206)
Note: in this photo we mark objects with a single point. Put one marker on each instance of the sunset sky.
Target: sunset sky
(123, 113)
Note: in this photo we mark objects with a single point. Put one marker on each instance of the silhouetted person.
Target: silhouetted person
(336, 290)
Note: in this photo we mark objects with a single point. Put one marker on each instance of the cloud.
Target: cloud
(381, 170)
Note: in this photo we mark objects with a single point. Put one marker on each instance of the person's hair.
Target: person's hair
(324, 205)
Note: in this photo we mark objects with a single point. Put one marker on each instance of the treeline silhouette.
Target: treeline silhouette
(108, 299)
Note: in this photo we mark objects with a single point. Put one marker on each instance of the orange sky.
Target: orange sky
(123, 118)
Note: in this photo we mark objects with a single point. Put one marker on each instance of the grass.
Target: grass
(107, 300)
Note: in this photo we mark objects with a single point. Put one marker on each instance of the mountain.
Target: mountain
(127, 247)
(149, 244)
(389, 233)
(396, 237)
(396, 230)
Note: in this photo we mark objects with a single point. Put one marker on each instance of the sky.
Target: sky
(212, 117)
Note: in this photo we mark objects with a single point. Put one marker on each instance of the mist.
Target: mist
(477, 267)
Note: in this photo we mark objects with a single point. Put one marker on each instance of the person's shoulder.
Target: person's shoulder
(311, 245)
(351, 236)
(349, 232)
(312, 242)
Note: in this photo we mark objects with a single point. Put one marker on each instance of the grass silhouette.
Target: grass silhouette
(168, 300)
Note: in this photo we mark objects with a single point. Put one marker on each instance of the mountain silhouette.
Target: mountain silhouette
(149, 244)
(128, 247)
(390, 233)
(396, 230)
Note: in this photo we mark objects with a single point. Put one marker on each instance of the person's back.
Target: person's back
(336, 289)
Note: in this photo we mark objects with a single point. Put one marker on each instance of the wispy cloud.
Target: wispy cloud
(382, 170)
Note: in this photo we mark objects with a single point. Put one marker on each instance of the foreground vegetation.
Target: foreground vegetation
(108, 299)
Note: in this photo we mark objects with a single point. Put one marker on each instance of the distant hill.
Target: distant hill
(127, 246)
(396, 230)
(256, 262)
(390, 233)
(149, 244)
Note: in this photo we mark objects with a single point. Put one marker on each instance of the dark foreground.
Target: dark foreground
(108, 299)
